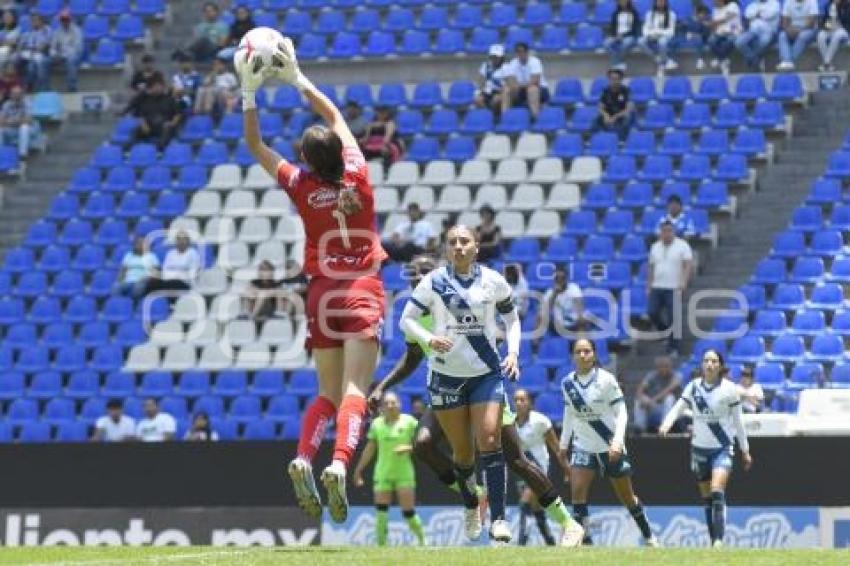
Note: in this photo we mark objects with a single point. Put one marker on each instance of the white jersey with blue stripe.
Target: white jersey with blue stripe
(532, 437)
(592, 404)
(464, 310)
(713, 410)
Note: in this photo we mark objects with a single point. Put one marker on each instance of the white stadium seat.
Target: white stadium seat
(184, 224)
(511, 171)
(212, 281)
(547, 170)
(543, 224)
(180, 357)
(391, 222)
(225, 308)
(438, 173)
(219, 230)
(215, 357)
(386, 199)
(189, 308)
(240, 203)
(376, 172)
(585, 169)
(204, 204)
(233, 255)
(494, 147)
(258, 178)
(564, 196)
(225, 177)
(253, 356)
(240, 332)
(454, 198)
(531, 146)
(255, 229)
(469, 218)
(290, 356)
(402, 174)
(527, 196)
(435, 219)
(419, 194)
(142, 358)
(167, 332)
(474, 172)
(511, 223)
(276, 332)
(274, 202)
(203, 333)
(290, 228)
(495, 196)
(270, 250)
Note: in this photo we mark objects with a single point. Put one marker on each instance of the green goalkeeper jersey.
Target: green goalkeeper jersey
(388, 437)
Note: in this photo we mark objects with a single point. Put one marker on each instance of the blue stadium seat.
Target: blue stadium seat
(72, 431)
(712, 195)
(365, 20)
(713, 142)
(676, 90)
(117, 309)
(535, 379)
(361, 93)
(21, 335)
(567, 146)
(643, 90)
(514, 121)
(11, 310)
(245, 408)
(633, 249)
(826, 243)
(267, 383)
(33, 359)
(572, 13)
(426, 95)
(95, 27)
(113, 7)
(107, 156)
(302, 383)
(156, 384)
(129, 27)
(449, 42)
(125, 130)
(826, 348)
(808, 323)
(502, 15)
(133, 205)
(230, 128)
(118, 385)
(770, 375)
(598, 248)
(215, 153)
(827, 297)
(54, 259)
(620, 169)
(191, 178)
(286, 98)
(602, 12)
(553, 39)
(175, 406)
(580, 223)
(329, 22)
(193, 383)
(134, 407)
(31, 285)
(82, 385)
(747, 349)
(807, 218)
(767, 115)
(259, 430)
(212, 405)
(788, 244)
(481, 40)
(568, 91)
(93, 408)
(658, 117)
(19, 260)
(34, 432)
(523, 250)
(197, 128)
(169, 205)
(107, 358)
(58, 411)
(130, 333)
(730, 115)
(120, 179)
(442, 123)
(108, 53)
(537, 14)
(560, 248)
(230, 383)
(788, 296)
(409, 122)
(769, 272)
(296, 23)
(603, 144)
(840, 375)
(477, 121)
(93, 334)
(749, 142)
(839, 219)
(67, 284)
(550, 119)
(617, 222)
(786, 88)
(379, 44)
(312, 46)
(467, 17)
(12, 384)
(553, 351)
(44, 310)
(769, 323)
(695, 115)
(598, 85)
(712, 90)
(423, 150)
(392, 95)
(807, 270)
(154, 179)
(516, 35)
(600, 196)
(98, 206)
(749, 88)
(63, 207)
(586, 38)
(460, 148)
(675, 143)
(345, 45)
(731, 168)
(694, 168)
(433, 18)
(657, 169)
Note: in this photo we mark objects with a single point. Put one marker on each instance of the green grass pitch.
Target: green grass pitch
(355, 556)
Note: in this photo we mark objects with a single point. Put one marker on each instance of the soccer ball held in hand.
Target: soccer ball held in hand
(260, 52)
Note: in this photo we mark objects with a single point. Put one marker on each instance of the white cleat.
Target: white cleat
(500, 531)
(652, 542)
(718, 544)
(573, 535)
(472, 523)
(301, 473)
(333, 478)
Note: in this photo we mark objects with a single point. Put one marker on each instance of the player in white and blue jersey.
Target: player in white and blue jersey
(716, 408)
(595, 420)
(466, 383)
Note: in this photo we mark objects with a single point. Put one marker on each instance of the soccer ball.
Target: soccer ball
(260, 49)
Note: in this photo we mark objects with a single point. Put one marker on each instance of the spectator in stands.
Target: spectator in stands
(242, 24)
(9, 80)
(138, 267)
(67, 48)
(144, 75)
(726, 27)
(381, 138)
(418, 408)
(201, 429)
(180, 268)
(625, 32)
(448, 222)
(670, 263)
(799, 26)
(34, 53)
(156, 426)
(354, 118)
(159, 115)
(835, 30)
(659, 29)
(697, 28)
(186, 82)
(752, 395)
(616, 111)
(683, 224)
(563, 306)
(519, 286)
(413, 236)
(763, 20)
(114, 426)
(490, 79)
(210, 35)
(294, 291)
(260, 298)
(10, 35)
(489, 235)
(656, 395)
(16, 124)
(525, 82)
(219, 91)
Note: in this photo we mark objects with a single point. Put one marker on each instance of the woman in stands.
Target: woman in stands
(467, 379)
(537, 438)
(595, 421)
(716, 407)
(342, 258)
(391, 438)
(381, 138)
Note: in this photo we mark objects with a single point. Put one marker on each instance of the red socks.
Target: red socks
(315, 421)
(349, 427)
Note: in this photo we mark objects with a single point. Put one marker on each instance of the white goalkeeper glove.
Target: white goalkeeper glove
(285, 66)
(250, 81)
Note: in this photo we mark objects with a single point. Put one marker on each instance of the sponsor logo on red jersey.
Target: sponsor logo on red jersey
(324, 197)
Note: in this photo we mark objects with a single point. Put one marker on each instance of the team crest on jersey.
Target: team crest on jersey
(324, 197)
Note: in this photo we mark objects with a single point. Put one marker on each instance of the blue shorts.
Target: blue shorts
(706, 460)
(449, 392)
(601, 463)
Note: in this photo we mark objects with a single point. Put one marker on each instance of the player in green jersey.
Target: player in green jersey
(430, 436)
(391, 437)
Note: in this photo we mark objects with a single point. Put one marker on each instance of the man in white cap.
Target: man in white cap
(490, 79)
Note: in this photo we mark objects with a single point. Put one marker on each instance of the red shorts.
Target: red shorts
(344, 309)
